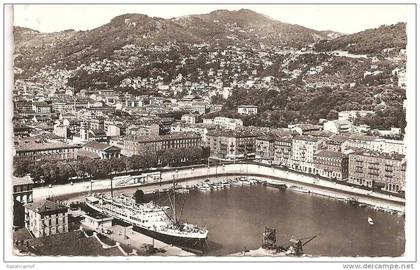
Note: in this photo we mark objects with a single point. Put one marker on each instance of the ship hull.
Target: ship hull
(281, 186)
(195, 245)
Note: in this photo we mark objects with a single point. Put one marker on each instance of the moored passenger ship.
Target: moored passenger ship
(152, 220)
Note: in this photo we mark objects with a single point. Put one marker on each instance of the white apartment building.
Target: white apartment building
(247, 109)
(303, 150)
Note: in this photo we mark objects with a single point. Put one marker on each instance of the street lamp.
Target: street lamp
(49, 192)
(91, 183)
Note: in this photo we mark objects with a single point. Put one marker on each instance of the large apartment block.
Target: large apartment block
(283, 150)
(376, 144)
(332, 165)
(229, 144)
(303, 151)
(45, 151)
(274, 148)
(379, 170)
(135, 145)
(264, 147)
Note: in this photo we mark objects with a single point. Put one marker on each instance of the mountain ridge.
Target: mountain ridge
(242, 18)
(370, 40)
(220, 28)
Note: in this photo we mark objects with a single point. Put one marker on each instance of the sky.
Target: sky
(345, 19)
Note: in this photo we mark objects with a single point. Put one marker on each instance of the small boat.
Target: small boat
(275, 184)
(182, 190)
(204, 188)
(299, 189)
(244, 181)
(253, 181)
(370, 221)
(217, 186)
(226, 182)
(353, 200)
(236, 183)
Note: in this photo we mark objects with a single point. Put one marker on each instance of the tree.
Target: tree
(51, 172)
(165, 157)
(138, 162)
(117, 164)
(79, 168)
(103, 167)
(332, 114)
(192, 153)
(36, 171)
(64, 172)
(217, 99)
(19, 171)
(91, 167)
(151, 159)
(139, 196)
(21, 168)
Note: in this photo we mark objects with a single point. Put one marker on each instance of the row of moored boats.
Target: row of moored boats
(208, 185)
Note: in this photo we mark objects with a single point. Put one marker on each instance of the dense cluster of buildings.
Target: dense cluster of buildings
(53, 121)
(359, 159)
(335, 149)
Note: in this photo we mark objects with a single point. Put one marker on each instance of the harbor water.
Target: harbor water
(236, 218)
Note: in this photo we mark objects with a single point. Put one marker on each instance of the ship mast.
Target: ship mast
(112, 193)
(172, 201)
(173, 187)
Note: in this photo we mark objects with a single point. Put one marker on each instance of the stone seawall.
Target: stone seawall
(320, 186)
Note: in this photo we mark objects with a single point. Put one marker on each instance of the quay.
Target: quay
(141, 244)
(194, 175)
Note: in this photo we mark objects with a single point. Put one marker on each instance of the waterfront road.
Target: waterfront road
(194, 175)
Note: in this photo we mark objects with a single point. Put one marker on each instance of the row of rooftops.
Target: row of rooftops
(66, 99)
(330, 154)
(375, 154)
(306, 127)
(169, 137)
(275, 137)
(241, 133)
(332, 138)
(197, 125)
(307, 138)
(46, 206)
(98, 146)
(32, 146)
(359, 152)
